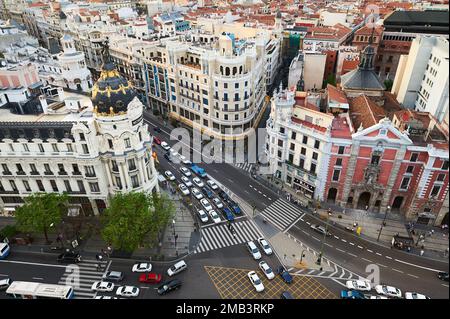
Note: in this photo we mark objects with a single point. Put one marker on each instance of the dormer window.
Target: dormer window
(383, 132)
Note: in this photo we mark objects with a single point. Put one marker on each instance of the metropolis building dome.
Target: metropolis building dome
(112, 93)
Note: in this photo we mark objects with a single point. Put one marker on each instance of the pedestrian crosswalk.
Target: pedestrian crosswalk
(338, 272)
(244, 166)
(219, 236)
(81, 277)
(281, 214)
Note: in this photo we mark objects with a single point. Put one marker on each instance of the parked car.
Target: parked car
(150, 278)
(184, 190)
(415, 295)
(228, 214)
(142, 267)
(198, 182)
(103, 286)
(177, 268)
(185, 171)
(362, 285)
(285, 275)
(203, 216)
(4, 283)
(113, 276)
(165, 146)
(265, 246)
(265, 268)
(352, 294)
(184, 160)
(197, 194)
(375, 297)
(256, 282)
(443, 275)
(186, 181)
(217, 202)
(156, 140)
(320, 229)
(206, 204)
(234, 206)
(169, 286)
(207, 192)
(69, 257)
(224, 195)
(127, 291)
(168, 157)
(212, 184)
(169, 175)
(105, 297)
(253, 250)
(214, 216)
(286, 295)
(388, 291)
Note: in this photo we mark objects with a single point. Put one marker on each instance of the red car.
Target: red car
(156, 140)
(150, 278)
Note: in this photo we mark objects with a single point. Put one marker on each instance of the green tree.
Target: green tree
(40, 211)
(135, 219)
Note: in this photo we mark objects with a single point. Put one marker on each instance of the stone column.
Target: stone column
(141, 170)
(94, 207)
(123, 175)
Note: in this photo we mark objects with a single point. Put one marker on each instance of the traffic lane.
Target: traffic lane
(395, 257)
(358, 261)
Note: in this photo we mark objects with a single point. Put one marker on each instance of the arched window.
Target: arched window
(227, 71)
(240, 69)
(221, 70)
(234, 70)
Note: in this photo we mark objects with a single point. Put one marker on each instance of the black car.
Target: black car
(286, 295)
(287, 278)
(443, 276)
(224, 196)
(157, 129)
(169, 286)
(69, 257)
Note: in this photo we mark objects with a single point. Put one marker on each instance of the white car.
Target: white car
(377, 297)
(362, 285)
(388, 291)
(142, 267)
(256, 282)
(105, 297)
(102, 286)
(198, 182)
(185, 171)
(203, 216)
(173, 153)
(212, 185)
(184, 190)
(184, 160)
(265, 246)
(253, 250)
(266, 270)
(128, 291)
(169, 175)
(214, 216)
(206, 204)
(415, 295)
(197, 194)
(218, 203)
(186, 181)
(165, 146)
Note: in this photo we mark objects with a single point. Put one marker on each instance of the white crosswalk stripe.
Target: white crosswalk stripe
(281, 214)
(217, 237)
(82, 280)
(337, 272)
(244, 166)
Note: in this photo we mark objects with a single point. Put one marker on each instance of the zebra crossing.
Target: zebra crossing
(338, 272)
(217, 237)
(81, 277)
(281, 214)
(244, 166)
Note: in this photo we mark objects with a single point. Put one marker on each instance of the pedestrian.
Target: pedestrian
(421, 252)
(409, 249)
(432, 231)
(367, 207)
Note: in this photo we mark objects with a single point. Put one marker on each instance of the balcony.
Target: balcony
(62, 173)
(76, 173)
(302, 169)
(48, 173)
(192, 65)
(6, 173)
(93, 174)
(20, 173)
(132, 168)
(34, 173)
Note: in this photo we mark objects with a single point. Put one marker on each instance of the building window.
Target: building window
(280, 143)
(27, 186)
(341, 149)
(410, 169)
(55, 147)
(280, 154)
(13, 185)
(375, 159)
(118, 182)
(41, 148)
(33, 169)
(54, 186)
(69, 148)
(303, 151)
(40, 185)
(414, 157)
(76, 170)
(26, 148)
(405, 183)
(282, 130)
(131, 164)
(94, 187)
(115, 168)
(316, 144)
(82, 138)
(61, 168)
(110, 144)
(292, 148)
(301, 163)
(435, 191)
(127, 143)
(336, 175)
(440, 177)
(445, 165)
(305, 140)
(293, 135)
(81, 186)
(339, 162)
(291, 158)
(313, 168)
(315, 156)
(85, 148)
(135, 181)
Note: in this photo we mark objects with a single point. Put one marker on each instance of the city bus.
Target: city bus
(4, 250)
(35, 290)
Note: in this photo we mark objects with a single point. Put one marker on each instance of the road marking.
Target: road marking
(368, 260)
(414, 265)
(311, 271)
(370, 251)
(361, 247)
(397, 270)
(290, 269)
(328, 245)
(336, 237)
(340, 250)
(340, 283)
(444, 285)
(306, 232)
(308, 223)
(29, 263)
(352, 254)
(3, 275)
(413, 276)
(37, 278)
(343, 240)
(381, 265)
(378, 254)
(315, 238)
(300, 271)
(144, 287)
(352, 244)
(388, 257)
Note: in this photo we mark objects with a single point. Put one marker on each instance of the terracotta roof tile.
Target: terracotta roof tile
(365, 112)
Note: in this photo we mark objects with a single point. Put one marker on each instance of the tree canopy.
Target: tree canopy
(40, 211)
(135, 219)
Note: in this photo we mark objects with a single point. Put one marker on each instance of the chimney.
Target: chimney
(44, 104)
(61, 96)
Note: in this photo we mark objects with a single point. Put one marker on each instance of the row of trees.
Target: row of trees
(132, 220)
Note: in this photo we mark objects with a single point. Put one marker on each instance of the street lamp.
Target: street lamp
(319, 259)
(388, 208)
